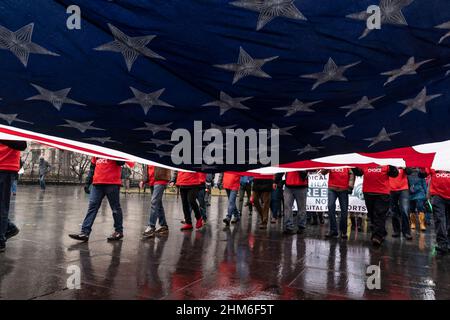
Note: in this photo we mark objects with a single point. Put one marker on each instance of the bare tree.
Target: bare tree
(79, 164)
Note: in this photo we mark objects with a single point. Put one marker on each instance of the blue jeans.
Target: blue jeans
(14, 185)
(400, 212)
(42, 181)
(98, 192)
(275, 202)
(333, 195)
(232, 208)
(5, 198)
(298, 194)
(157, 209)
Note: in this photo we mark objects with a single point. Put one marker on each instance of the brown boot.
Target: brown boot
(422, 221)
(412, 218)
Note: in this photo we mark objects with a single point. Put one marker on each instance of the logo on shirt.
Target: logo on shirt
(443, 175)
(374, 170)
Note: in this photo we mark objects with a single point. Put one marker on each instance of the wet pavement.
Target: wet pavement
(239, 262)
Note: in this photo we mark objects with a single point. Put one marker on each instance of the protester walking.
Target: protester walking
(231, 182)
(44, 168)
(296, 190)
(400, 204)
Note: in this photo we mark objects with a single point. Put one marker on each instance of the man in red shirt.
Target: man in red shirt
(440, 199)
(296, 190)
(231, 182)
(157, 178)
(105, 177)
(376, 189)
(400, 204)
(9, 166)
(340, 184)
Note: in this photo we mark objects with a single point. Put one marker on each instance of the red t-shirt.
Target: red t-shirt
(376, 180)
(231, 181)
(339, 178)
(151, 176)
(9, 159)
(189, 178)
(400, 182)
(106, 171)
(293, 179)
(440, 183)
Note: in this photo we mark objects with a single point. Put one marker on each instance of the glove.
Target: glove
(87, 189)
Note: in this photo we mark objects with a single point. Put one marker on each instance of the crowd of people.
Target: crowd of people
(408, 194)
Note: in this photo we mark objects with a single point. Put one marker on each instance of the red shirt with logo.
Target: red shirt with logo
(151, 176)
(440, 183)
(106, 171)
(339, 178)
(9, 159)
(376, 180)
(231, 181)
(189, 179)
(400, 182)
(293, 179)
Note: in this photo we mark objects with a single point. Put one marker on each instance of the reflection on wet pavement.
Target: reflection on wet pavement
(240, 262)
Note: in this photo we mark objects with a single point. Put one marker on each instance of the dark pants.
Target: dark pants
(377, 208)
(98, 192)
(263, 209)
(5, 198)
(202, 201)
(441, 207)
(400, 212)
(189, 200)
(275, 202)
(334, 195)
(243, 190)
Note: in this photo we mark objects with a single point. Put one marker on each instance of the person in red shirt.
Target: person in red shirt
(440, 199)
(340, 184)
(231, 182)
(105, 178)
(400, 204)
(189, 184)
(157, 178)
(296, 189)
(9, 166)
(376, 189)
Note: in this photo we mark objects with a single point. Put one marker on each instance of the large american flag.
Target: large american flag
(137, 70)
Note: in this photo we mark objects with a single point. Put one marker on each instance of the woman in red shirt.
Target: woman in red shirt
(231, 182)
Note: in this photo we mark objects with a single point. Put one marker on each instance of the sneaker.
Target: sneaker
(12, 233)
(149, 232)
(408, 237)
(199, 223)
(183, 222)
(273, 221)
(344, 236)
(235, 219)
(115, 236)
(2, 247)
(80, 236)
(163, 230)
(226, 221)
(186, 226)
(331, 235)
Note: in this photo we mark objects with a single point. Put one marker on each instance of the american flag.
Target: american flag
(137, 70)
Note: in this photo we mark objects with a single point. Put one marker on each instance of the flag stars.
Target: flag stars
(298, 106)
(364, 103)
(307, 149)
(155, 128)
(102, 140)
(270, 9)
(129, 47)
(81, 126)
(20, 44)
(331, 72)
(56, 98)
(383, 136)
(418, 103)
(408, 69)
(147, 100)
(226, 103)
(10, 118)
(445, 26)
(333, 131)
(246, 66)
